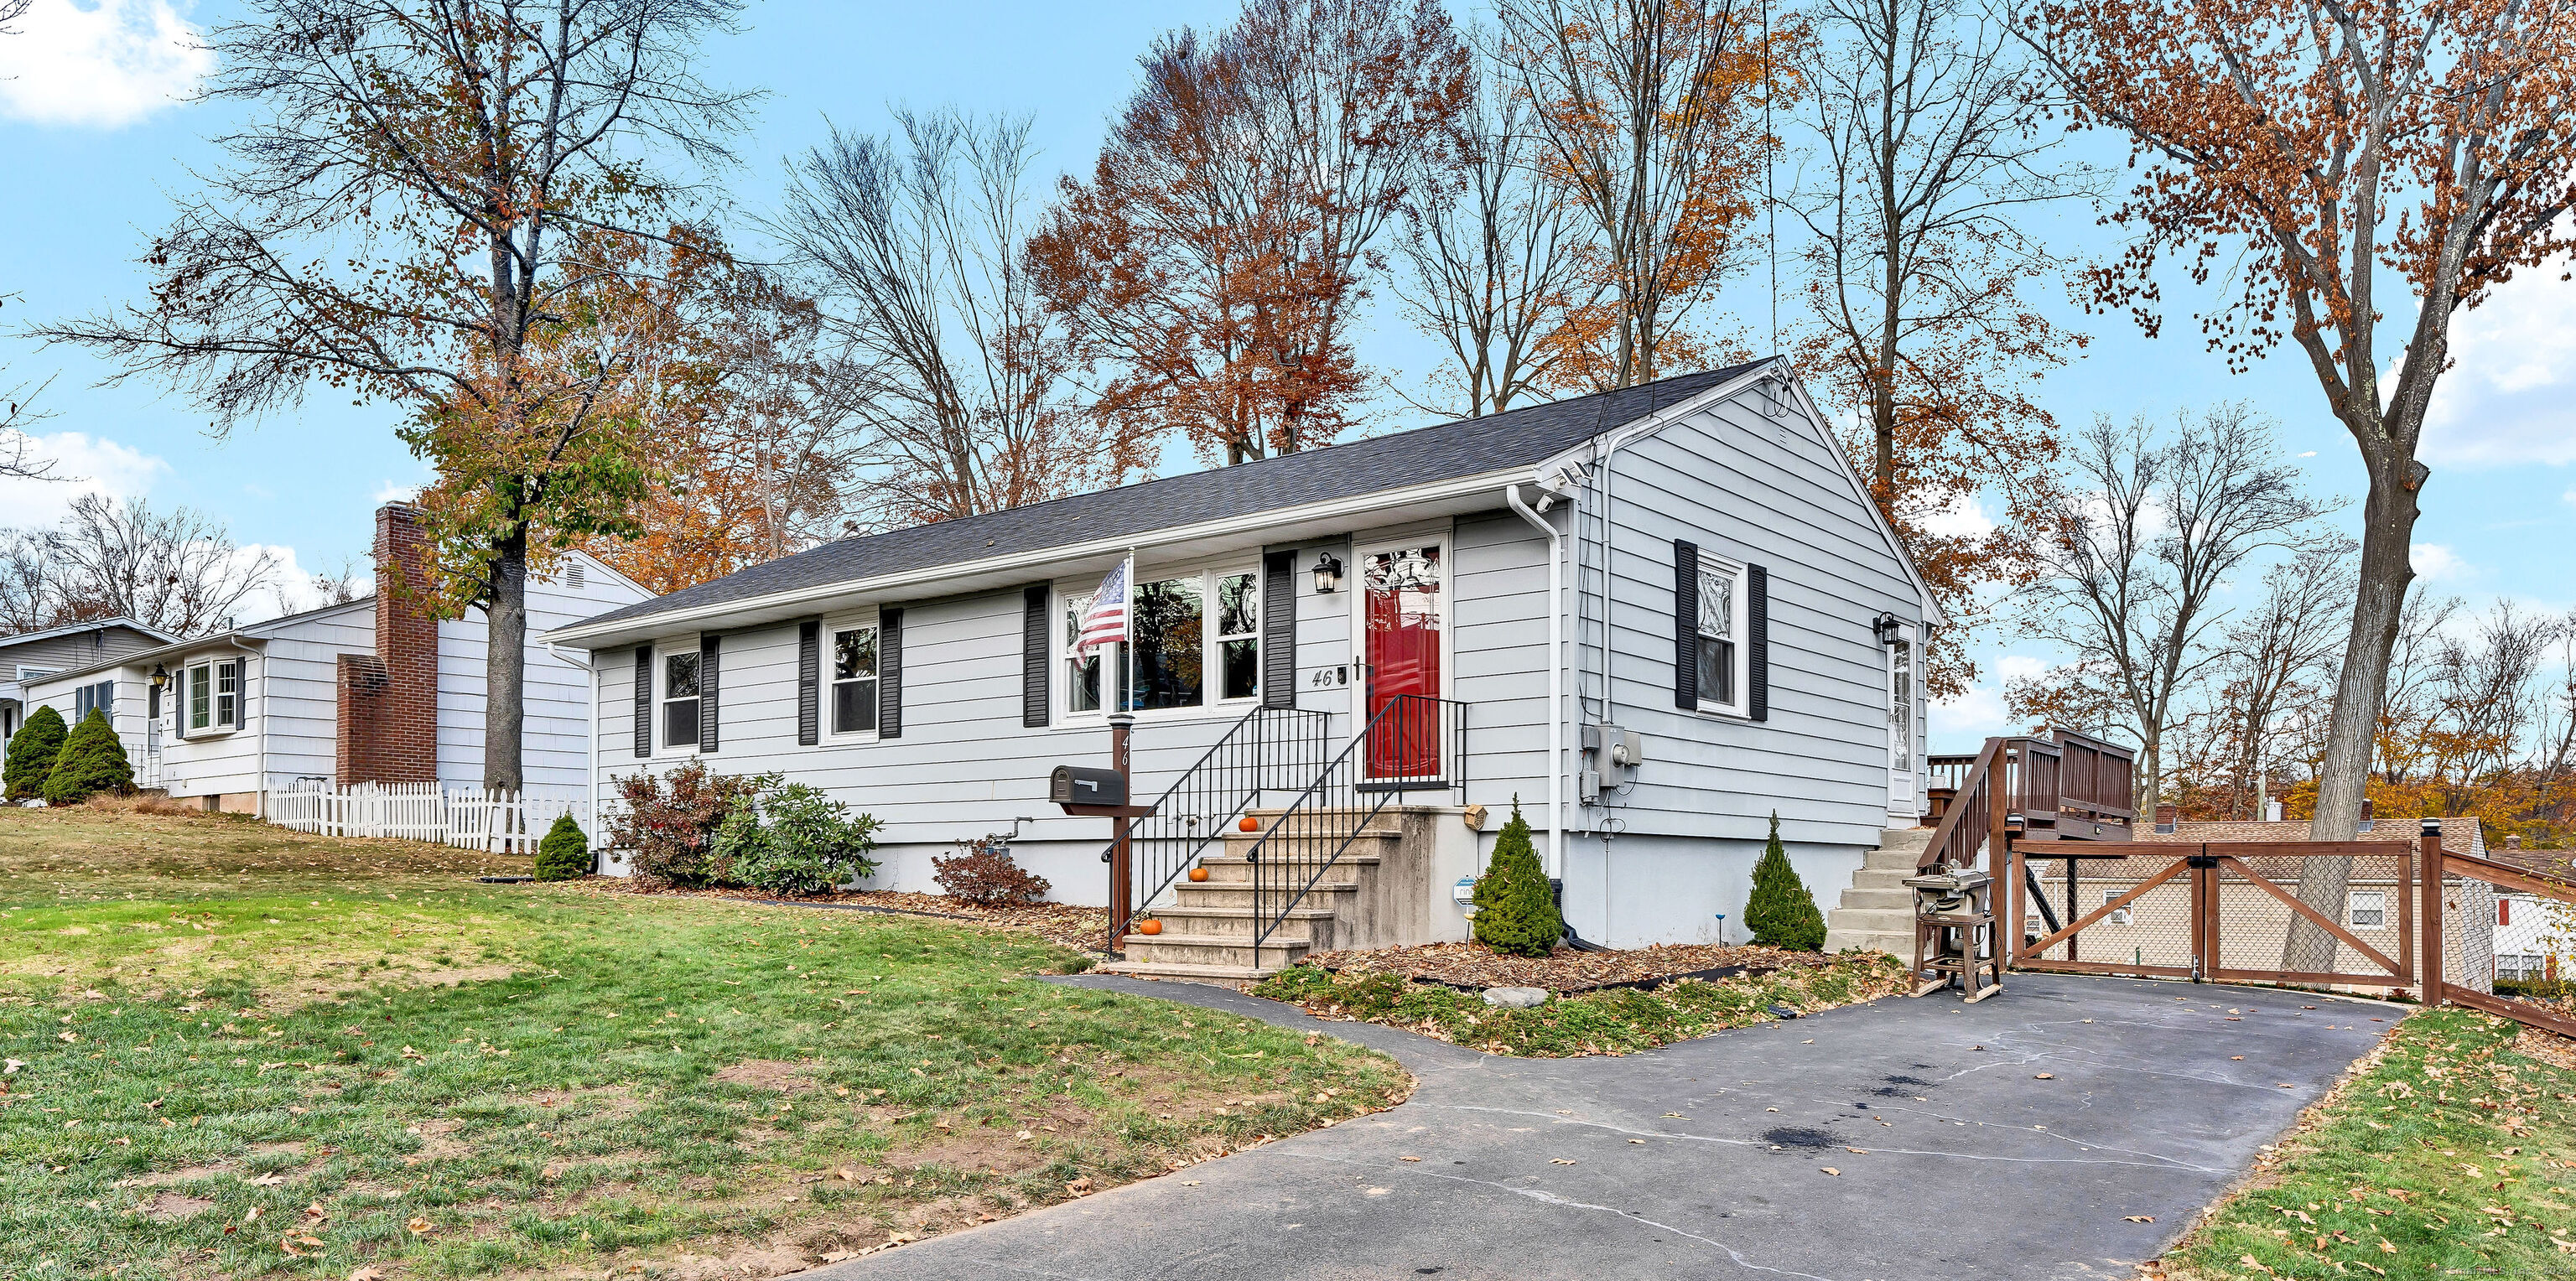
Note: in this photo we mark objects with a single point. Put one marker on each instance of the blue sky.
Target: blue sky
(93, 144)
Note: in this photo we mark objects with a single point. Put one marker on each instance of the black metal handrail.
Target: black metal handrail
(1413, 743)
(1272, 749)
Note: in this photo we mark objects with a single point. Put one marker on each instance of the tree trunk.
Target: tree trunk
(2388, 526)
(505, 666)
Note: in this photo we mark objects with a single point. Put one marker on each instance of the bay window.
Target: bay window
(1194, 640)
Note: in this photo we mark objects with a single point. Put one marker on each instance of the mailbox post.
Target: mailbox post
(1091, 792)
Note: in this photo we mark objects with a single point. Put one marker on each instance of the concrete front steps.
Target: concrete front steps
(1208, 925)
(1877, 912)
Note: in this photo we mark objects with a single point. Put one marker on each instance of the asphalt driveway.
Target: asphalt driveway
(1952, 1158)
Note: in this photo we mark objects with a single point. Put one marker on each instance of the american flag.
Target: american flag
(1105, 622)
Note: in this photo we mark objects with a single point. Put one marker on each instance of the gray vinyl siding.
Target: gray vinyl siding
(554, 755)
(1498, 617)
(1776, 495)
(67, 653)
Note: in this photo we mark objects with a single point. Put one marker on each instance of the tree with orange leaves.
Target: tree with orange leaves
(1929, 149)
(2312, 149)
(428, 206)
(1650, 115)
(1212, 266)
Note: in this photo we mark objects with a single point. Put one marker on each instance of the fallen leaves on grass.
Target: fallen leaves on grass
(1564, 970)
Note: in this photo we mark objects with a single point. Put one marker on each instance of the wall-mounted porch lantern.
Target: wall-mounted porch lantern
(160, 677)
(1328, 573)
(1887, 629)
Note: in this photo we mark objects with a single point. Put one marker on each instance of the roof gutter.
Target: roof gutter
(621, 629)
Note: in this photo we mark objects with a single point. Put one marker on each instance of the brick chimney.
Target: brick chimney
(2512, 841)
(2167, 816)
(2366, 820)
(388, 713)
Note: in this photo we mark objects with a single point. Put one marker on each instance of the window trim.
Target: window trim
(1062, 593)
(1740, 621)
(202, 675)
(871, 621)
(2352, 908)
(663, 653)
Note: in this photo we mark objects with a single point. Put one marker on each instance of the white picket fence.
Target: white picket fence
(467, 818)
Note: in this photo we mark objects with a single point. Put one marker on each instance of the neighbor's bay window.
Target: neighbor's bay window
(214, 694)
(680, 700)
(1194, 640)
(854, 680)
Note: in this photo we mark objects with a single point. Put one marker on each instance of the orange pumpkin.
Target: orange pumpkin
(1149, 927)
(1250, 824)
(1198, 873)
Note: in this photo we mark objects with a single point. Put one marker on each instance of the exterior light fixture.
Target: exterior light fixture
(1886, 629)
(160, 676)
(1328, 573)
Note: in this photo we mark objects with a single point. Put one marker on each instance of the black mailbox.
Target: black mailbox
(1086, 785)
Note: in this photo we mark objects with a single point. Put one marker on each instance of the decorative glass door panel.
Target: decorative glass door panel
(1401, 618)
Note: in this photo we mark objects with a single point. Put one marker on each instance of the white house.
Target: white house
(367, 691)
(2535, 937)
(1654, 617)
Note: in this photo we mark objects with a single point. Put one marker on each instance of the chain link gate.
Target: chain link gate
(2216, 912)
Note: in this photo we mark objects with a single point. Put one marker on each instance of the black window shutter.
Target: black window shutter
(643, 701)
(1758, 653)
(710, 655)
(241, 694)
(889, 673)
(1279, 628)
(1033, 656)
(1685, 625)
(809, 682)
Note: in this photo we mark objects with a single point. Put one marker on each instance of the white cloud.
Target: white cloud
(1963, 517)
(2436, 563)
(104, 64)
(1960, 724)
(291, 586)
(2508, 400)
(392, 492)
(2310, 454)
(88, 465)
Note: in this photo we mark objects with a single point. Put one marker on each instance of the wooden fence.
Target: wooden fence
(467, 818)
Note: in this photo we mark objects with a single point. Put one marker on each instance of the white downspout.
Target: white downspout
(1555, 679)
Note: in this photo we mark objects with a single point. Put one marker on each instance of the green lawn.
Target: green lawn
(2450, 1155)
(237, 1050)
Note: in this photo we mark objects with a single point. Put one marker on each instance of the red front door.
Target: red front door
(1401, 617)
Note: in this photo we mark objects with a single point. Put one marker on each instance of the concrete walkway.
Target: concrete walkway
(1706, 1159)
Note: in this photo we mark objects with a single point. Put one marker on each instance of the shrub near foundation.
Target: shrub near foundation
(93, 761)
(31, 754)
(1515, 908)
(564, 854)
(1781, 912)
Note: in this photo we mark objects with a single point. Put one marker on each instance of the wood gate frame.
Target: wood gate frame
(2503, 875)
(2201, 867)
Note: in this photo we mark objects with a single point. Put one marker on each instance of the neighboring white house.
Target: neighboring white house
(1655, 617)
(349, 693)
(2535, 938)
(31, 656)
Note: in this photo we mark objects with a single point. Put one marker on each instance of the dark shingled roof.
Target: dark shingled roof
(1523, 437)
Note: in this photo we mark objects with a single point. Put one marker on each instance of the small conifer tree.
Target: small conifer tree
(1515, 909)
(564, 854)
(1782, 913)
(92, 761)
(32, 752)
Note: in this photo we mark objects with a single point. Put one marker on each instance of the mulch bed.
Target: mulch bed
(1081, 928)
(1473, 967)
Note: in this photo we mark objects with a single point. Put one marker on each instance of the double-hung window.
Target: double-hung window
(680, 699)
(1194, 640)
(854, 680)
(2368, 909)
(214, 695)
(100, 697)
(1721, 635)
